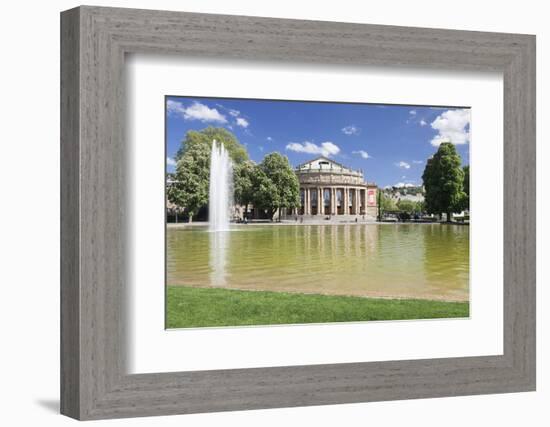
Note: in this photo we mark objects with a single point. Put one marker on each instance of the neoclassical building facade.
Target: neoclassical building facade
(328, 188)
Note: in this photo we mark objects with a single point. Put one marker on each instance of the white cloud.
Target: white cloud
(174, 106)
(170, 161)
(326, 149)
(269, 139)
(195, 111)
(351, 130)
(242, 122)
(201, 112)
(414, 118)
(418, 162)
(237, 116)
(452, 126)
(403, 165)
(362, 153)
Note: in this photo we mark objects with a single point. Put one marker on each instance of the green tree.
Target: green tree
(243, 183)
(419, 207)
(192, 176)
(278, 170)
(466, 188)
(386, 203)
(236, 150)
(265, 196)
(443, 179)
(406, 205)
(190, 189)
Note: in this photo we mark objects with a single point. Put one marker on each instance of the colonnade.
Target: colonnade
(335, 200)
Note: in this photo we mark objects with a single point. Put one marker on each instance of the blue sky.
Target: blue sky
(390, 143)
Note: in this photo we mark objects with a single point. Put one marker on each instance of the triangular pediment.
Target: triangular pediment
(320, 162)
(323, 163)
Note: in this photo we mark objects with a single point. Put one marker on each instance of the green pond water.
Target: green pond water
(428, 261)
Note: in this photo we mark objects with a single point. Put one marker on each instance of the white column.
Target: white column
(316, 191)
(345, 200)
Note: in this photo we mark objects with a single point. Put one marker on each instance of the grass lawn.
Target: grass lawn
(195, 307)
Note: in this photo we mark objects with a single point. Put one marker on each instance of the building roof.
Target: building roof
(324, 163)
(312, 170)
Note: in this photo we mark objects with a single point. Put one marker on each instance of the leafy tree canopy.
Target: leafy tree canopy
(387, 203)
(444, 181)
(277, 169)
(466, 170)
(466, 188)
(191, 180)
(243, 182)
(265, 195)
(419, 206)
(192, 176)
(193, 138)
(406, 205)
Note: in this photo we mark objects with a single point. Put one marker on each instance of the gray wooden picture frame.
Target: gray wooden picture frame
(94, 381)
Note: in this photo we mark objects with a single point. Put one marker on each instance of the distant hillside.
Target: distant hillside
(403, 190)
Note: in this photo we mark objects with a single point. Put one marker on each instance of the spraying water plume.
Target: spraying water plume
(220, 191)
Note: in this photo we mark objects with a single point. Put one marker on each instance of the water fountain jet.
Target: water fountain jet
(220, 191)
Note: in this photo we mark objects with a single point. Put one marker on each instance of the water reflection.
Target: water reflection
(393, 260)
(454, 240)
(219, 248)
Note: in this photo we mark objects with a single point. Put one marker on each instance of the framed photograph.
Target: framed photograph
(262, 213)
(264, 230)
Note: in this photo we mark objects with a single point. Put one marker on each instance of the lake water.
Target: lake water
(428, 261)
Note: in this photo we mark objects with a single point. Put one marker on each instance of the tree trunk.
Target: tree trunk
(449, 217)
(190, 217)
